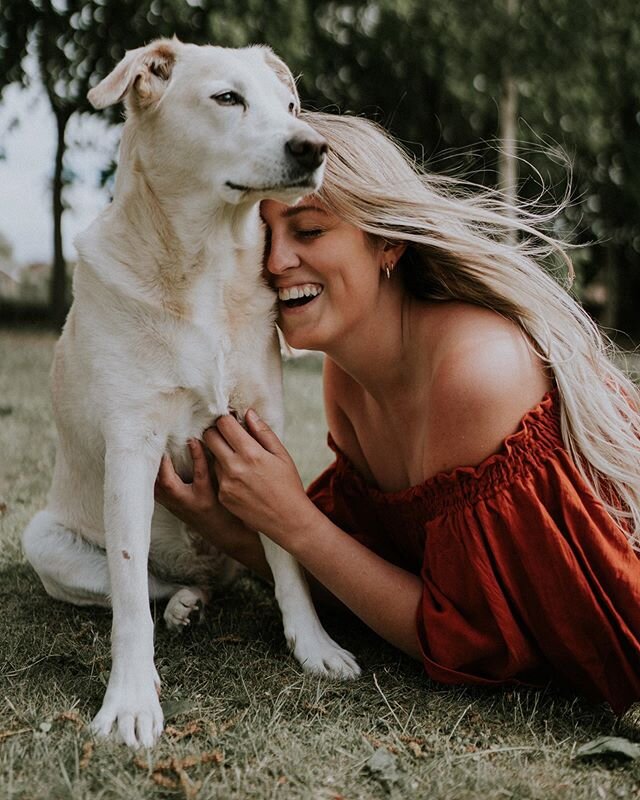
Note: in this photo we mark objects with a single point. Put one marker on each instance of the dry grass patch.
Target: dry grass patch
(242, 720)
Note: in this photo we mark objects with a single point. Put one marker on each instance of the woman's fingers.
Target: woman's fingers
(166, 473)
(235, 435)
(263, 434)
(168, 482)
(199, 458)
(218, 445)
(244, 441)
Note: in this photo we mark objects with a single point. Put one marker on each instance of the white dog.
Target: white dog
(171, 326)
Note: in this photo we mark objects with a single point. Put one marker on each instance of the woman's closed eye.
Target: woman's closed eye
(309, 233)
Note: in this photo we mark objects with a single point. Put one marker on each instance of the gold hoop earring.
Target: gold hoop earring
(388, 269)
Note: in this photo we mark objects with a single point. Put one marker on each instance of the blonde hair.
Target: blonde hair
(461, 246)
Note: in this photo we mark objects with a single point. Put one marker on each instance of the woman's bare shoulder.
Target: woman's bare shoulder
(484, 377)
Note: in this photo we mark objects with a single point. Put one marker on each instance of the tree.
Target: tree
(436, 74)
(75, 43)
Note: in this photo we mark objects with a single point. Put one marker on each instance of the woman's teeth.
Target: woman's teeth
(304, 290)
(299, 295)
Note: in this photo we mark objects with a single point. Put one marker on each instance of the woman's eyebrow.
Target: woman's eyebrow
(293, 210)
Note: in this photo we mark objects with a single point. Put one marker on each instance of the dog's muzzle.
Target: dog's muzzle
(307, 150)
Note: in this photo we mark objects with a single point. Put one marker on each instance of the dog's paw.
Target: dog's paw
(184, 608)
(137, 716)
(320, 655)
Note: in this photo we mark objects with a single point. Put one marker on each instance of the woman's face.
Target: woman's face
(326, 273)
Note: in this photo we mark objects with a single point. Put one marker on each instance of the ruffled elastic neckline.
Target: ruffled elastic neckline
(537, 436)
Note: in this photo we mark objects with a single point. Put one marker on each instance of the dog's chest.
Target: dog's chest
(201, 378)
(214, 362)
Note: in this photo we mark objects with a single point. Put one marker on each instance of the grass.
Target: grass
(243, 720)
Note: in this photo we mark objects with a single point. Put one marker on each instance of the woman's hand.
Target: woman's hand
(195, 503)
(257, 479)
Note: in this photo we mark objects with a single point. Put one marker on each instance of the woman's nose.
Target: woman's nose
(280, 257)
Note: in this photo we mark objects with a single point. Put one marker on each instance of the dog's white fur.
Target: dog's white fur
(171, 326)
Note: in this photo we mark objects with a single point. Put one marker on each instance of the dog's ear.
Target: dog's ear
(283, 72)
(143, 75)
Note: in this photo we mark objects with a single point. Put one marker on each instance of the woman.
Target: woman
(484, 505)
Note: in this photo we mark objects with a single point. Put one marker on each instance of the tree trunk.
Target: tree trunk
(58, 285)
(611, 312)
(508, 112)
(508, 168)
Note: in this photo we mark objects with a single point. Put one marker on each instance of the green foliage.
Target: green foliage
(431, 71)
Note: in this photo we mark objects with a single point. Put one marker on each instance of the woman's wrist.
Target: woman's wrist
(303, 530)
(232, 538)
(242, 544)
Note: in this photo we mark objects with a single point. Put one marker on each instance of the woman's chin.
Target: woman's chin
(299, 337)
(299, 341)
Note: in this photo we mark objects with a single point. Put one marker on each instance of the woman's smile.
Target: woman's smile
(325, 272)
(298, 295)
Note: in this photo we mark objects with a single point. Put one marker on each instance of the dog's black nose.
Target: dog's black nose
(307, 149)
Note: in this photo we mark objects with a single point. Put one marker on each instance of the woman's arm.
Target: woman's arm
(258, 483)
(383, 596)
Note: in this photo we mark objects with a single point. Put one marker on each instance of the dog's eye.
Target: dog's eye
(228, 99)
(292, 108)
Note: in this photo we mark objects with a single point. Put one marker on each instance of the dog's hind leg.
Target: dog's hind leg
(71, 568)
(184, 607)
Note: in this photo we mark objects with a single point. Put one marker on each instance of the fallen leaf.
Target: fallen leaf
(214, 756)
(415, 749)
(71, 716)
(406, 739)
(189, 729)
(609, 746)
(87, 752)
(224, 726)
(164, 780)
(189, 787)
(178, 765)
(229, 638)
(379, 743)
(185, 763)
(315, 707)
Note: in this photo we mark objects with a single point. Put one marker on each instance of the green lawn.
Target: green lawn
(244, 721)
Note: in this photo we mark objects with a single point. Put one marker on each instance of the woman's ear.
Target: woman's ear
(392, 252)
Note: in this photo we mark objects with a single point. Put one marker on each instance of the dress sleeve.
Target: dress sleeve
(529, 581)
(336, 502)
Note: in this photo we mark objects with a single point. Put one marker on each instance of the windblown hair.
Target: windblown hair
(468, 245)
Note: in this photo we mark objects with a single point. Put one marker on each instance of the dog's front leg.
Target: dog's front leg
(131, 700)
(316, 651)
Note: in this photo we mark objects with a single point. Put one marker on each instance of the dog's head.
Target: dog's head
(221, 115)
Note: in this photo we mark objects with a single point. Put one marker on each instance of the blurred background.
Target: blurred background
(525, 96)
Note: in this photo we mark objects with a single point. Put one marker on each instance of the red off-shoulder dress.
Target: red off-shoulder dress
(526, 577)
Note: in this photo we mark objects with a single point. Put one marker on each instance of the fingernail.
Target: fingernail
(251, 415)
